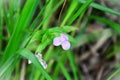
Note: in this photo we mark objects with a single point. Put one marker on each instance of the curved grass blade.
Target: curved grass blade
(102, 8)
(29, 55)
(105, 9)
(112, 24)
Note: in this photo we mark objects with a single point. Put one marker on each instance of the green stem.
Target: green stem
(1, 24)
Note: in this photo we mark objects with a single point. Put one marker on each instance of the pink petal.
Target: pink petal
(64, 36)
(43, 63)
(57, 41)
(66, 45)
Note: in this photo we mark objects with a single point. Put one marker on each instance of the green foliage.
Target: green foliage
(30, 31)
(27, 54)
(22, 23)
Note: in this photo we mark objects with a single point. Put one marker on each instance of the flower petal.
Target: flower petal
(29, 62)
(64, 36)
(43, 63)
(66, 45)
(38, 55)
(57, 41)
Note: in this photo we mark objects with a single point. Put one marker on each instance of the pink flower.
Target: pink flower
(63, 41)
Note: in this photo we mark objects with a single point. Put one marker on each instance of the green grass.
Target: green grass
(30, 28)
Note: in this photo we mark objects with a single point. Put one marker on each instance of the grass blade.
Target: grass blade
(102, 8)
(73, 65)
(8, 65)
(64, 71)
(21, 25)
(70, 11)
(82, 9)
(114, 74)
(112, 24)
(29, 55)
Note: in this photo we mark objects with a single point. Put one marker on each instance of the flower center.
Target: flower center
(62, 39)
